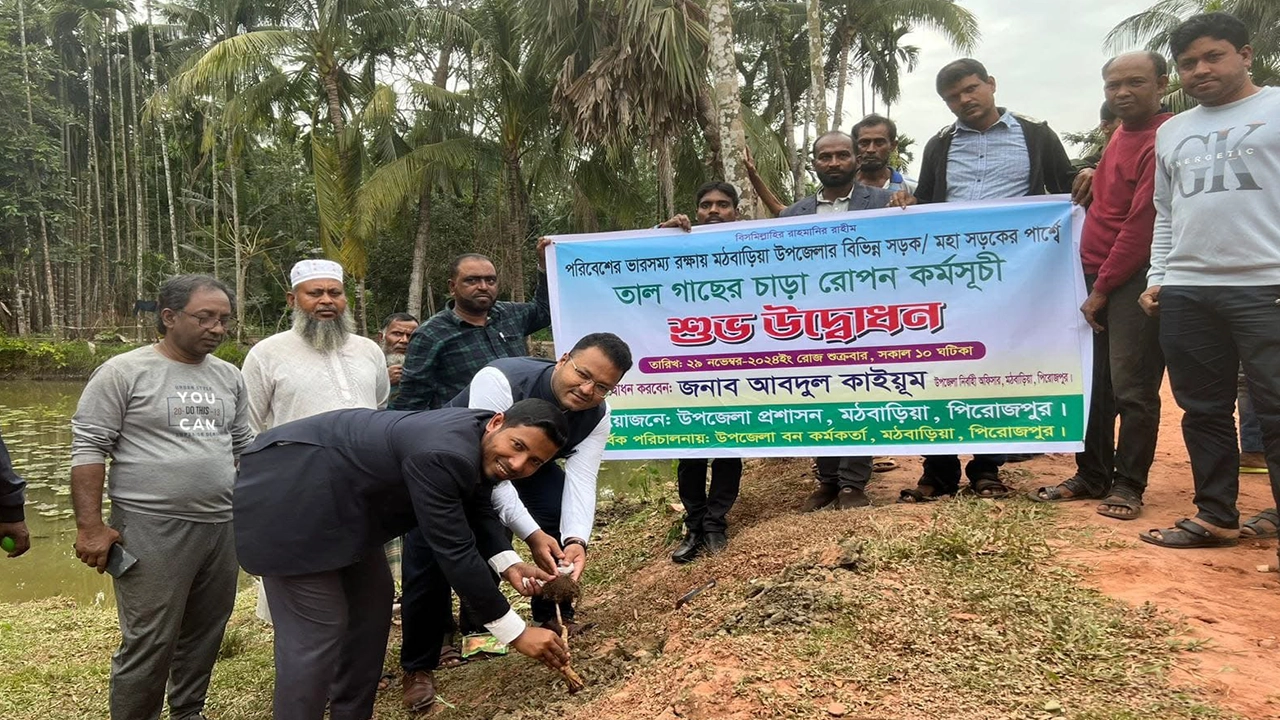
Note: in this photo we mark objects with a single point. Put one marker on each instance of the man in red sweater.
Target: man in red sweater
(1115, 249)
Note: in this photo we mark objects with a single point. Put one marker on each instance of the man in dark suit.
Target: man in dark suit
(842, 481)
(315, 501)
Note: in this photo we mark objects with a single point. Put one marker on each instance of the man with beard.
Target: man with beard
(705, 508)
(842, 481)
(472, 330)
(553, 509)
(394, 338)
(316, 499)
(319, 364)
(876, 138)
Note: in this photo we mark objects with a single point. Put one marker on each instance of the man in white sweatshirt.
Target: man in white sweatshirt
(1215, 267)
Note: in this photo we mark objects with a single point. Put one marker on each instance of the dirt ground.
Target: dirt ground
(1230, 610)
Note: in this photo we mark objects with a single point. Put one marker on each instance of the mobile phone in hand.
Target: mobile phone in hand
(119, 560)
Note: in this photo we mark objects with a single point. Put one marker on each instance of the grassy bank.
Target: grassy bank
(954, 610)
(44, 359)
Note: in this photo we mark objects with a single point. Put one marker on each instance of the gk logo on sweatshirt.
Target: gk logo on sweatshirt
(1204, 162)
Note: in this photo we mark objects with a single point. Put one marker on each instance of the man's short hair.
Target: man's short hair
(398, 317)
(1158, 62)
(1216, 25)
(874, 120)
(176, 292)
(829, 133)
(1106, 114)
(722, 186)
(457, 262)
(957, 70)
(613, 347)
(532, 412)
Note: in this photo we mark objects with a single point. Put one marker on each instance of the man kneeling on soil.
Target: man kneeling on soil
(317, 498)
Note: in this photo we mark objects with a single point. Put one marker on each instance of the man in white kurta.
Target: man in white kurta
(317, 365)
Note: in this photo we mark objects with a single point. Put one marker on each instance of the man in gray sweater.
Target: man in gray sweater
(1215, 266)
(173, 419)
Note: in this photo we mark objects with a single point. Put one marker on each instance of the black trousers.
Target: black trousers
(944, 470)
(704, 509)
(1128, 367)
(1207, 333)
(426, 604)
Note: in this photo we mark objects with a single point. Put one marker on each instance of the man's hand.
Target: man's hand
(1082, 188)
(21, 538)
(543, 244)
(542, 645)
(546, 551)
(1091, 307)
(749, 163)
(393, 373)
(1150, 301)
(902, 199)
(93, 544)
(576, 554)
(678, 221)
(527, 578)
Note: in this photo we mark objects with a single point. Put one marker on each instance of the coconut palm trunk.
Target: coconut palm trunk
(164, 146)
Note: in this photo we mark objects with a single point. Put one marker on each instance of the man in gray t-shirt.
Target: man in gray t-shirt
(1215, 270)
(173, 419)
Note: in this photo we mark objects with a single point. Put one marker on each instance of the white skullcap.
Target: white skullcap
(305, 270)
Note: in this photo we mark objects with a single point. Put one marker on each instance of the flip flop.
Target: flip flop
(1185, 535)
(450, 657)
(883, 465)
(988, 488)
(1057, 493)
(1259, 533)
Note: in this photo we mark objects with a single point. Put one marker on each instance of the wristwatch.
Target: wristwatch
(576, 541)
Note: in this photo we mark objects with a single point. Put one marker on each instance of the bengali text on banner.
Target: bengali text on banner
(938, 329)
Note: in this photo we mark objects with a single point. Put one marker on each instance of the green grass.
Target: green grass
(963, 616)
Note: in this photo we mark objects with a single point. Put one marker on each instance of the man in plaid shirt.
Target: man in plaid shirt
(473, 330)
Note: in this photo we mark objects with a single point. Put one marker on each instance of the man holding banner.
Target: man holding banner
(987, 153)
(842, 481)
(705, 508)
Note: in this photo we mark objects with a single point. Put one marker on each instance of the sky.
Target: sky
(1046, 57)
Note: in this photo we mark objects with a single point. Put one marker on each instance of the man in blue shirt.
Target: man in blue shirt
(987, 153)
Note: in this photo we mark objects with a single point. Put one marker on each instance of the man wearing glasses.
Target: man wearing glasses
(553, 509)
(173, 420)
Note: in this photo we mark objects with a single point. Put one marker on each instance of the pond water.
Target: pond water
(35, 421)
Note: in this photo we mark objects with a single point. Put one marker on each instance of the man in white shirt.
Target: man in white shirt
(553, 509)
(319, 364)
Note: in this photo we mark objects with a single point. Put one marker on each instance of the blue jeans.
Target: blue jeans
(1207, 334)
(1250, 428)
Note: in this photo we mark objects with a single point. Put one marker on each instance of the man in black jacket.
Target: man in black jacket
(988, 153)
(317, 498)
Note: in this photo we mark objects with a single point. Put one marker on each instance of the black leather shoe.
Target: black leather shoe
(850, 498)
(688, 548)
(714, 542)
(821, 497)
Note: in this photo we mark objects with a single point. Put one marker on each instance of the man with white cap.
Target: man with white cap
(319, 364)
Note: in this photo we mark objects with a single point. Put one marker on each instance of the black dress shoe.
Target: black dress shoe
(714, 542)
(688, 548)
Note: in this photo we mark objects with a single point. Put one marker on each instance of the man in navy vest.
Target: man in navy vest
(553, 509)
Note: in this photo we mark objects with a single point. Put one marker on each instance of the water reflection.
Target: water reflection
(35, 420)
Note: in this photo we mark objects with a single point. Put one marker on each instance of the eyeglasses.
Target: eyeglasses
(209, 322)
(597, 388)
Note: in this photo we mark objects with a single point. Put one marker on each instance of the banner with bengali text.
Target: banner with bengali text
(937, 329)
